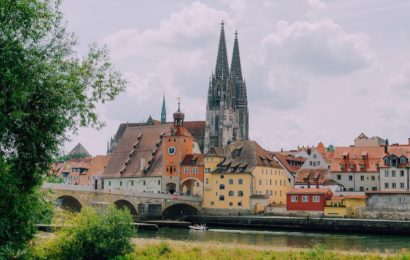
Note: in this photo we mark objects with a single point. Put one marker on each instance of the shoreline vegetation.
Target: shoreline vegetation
(149, 248)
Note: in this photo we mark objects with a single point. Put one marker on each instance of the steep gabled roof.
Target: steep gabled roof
(79, 149)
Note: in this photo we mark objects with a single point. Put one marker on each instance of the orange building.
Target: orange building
(177, 145)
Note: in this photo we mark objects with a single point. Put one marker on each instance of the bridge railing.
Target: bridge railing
(83, 188)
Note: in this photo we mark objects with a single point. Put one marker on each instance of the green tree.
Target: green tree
(90, 235)
(46, 90)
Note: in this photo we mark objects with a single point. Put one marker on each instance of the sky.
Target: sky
(315, 70)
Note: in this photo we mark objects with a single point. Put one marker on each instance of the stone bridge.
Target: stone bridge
(141, 205)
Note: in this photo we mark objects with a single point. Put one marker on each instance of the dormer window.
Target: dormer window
(342, 166)
(362, 166)
(364, 155)
(394, 162)
(386, 161)
(403, 160)
(345, 155)
(352, 166)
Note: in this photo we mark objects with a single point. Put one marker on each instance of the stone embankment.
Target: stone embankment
(307, 223)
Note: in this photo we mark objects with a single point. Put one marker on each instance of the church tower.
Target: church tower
(163, 112)
(226, 109)
(240, 90)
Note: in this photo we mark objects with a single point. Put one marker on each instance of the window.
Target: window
(109, 183)
(270, 193)
(374, 188)
(362, 178)
(231, 193)
(393, 173)
(402, 160)
(393, 185)
(310, 163)
(387, 199)
(339, 177)
(318, 163)
(230, 181)
(352, 166)
(240, 181)
(316, 198)
(240, 193)
(221, 197)
(230, 204)
(159, 182)
(402, 185)
(221, 186)
(294, 198)
(239, 203)
(314, 156)
(186, 170)
(314, 164)
(373, 178)
(402, 199)
(394, 163)
(270, 182)
(207, 170)
(386, 173)
(350, 177)
(361, 189)
(386, 185)
(195, 170)
(132, 183)
(120, 183)
(386, 161)
(143, 183)
(305, 198)
(212, 203)
(222, 176)
(207, 181)
(401, 173)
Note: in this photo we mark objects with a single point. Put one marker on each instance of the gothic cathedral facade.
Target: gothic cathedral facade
(227, 115)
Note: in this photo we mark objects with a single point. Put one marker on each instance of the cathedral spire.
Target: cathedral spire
(236, 69)
(222, 67)
(163, 111)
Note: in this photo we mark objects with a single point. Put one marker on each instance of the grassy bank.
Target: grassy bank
(170, 249)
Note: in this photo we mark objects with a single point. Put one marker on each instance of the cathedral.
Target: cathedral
(227, 116)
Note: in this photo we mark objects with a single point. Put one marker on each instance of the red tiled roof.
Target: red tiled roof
(373, 158)
(286, 159)
(312, 176)
(193, 159)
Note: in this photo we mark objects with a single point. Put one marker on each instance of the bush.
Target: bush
(90, 235)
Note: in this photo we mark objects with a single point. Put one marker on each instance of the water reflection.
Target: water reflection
(284, 238)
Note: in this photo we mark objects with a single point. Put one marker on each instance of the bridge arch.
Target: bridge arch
(125, 204)
(179, 210)
(69, 203)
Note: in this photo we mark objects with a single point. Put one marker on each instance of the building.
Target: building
(394, 168)
(227, 116)
(362, 141)
(388, 205)
(357, 168)
(75, 170)
(245, 180)
(137, 161)
(79, 150)
(307, 201)
(179, 160)
(192, 175)
(315, 171)
(290, 163)
(352, 206)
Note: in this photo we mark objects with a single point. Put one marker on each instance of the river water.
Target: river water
(357, 242)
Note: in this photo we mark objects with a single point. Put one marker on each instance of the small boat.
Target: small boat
(198, 227)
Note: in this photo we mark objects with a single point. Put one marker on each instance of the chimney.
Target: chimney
(386, 146)
(143, 164)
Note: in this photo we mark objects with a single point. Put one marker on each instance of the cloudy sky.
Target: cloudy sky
(315, 70)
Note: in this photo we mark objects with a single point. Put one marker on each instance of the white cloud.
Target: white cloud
(400, 83)
(317, 4)
(322, 47)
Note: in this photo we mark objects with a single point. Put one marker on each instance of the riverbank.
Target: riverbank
(337, 225)
(171, 249)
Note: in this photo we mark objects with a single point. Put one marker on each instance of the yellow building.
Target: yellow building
(242, 178)
(345, 206)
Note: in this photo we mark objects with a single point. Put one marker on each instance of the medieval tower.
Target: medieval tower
(227, 116)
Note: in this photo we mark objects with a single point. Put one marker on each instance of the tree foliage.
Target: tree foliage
(45, 91)
(90, 235)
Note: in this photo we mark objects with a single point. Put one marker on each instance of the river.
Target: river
(357, 242)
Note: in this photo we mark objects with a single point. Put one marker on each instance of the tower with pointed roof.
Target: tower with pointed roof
(163, 112)
(227, 105)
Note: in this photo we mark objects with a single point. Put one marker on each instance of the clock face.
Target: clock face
(171, 150)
